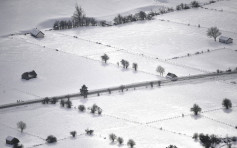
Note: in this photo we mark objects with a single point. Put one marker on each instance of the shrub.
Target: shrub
(112, 137)
(131, 143)
(94, 108)
(120, 140)
(172, 146)
(62, 103)
(196, 109)
(69, 104)
(226, 103)
(89, 132)
(81, 108)
(99, 111)
(195, 136)
(195, 4)
(51, 139)
(73, 133)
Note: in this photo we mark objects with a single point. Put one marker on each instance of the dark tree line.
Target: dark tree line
(140, 16)
(78, 19)
(193, 4)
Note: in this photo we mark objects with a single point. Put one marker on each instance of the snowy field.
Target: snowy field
(221, 59)
(65, 60)
(141, 121)
(58, 72)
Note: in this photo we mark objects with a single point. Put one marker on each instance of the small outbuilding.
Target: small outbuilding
(12, 140)
(226, 40)
(37, 33)
(171, 76)
(29, 75)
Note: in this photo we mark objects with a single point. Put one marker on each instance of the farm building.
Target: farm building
(225, 40)
(171, 76)
(29, 75)
(12, 140)
(37, 33)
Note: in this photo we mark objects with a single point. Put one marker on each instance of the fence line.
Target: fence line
(121, 87)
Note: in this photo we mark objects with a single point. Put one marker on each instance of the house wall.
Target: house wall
(40, 35)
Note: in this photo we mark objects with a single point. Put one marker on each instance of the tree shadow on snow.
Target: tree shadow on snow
(227, 110)
(196, 117)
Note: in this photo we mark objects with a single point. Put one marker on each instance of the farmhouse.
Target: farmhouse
(37, 33)
(29, 75)
(225, 40)
(12, 140)
(171, 76)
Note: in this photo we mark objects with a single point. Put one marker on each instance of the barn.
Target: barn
(29, 75)
(12, 140)
(37, 33)
(225, 40)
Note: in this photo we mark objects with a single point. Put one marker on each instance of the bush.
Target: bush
(227, 103)
(69, 104)
(21, 125)
(120, 140)
(195, 136)
(172, 146)
(195, 4)
(81, 108)
(99, 111)
(112, 137)
(62, 103)
(131, 143)
(89, 132)
(51, 139)
(73, 133)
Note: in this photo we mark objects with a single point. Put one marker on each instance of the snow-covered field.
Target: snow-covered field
(221, 59)
(146, 110)
(58, 72)
(65, 60)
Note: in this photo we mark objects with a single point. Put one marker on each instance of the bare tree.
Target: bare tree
(227, 103)
(21, 125)
(161, 70)
(213, 32)
(78, 16)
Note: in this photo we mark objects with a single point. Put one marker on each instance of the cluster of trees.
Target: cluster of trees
(78, 19)
(172, 146)
(46, 100)
(140, 16)
(193, 4)
(132, 18)
(131, 143)
(212, 140)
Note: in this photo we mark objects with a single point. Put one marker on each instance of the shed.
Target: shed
(226, 40)
(12, 140)
(37, 33)
(171, 76)
(29, 75)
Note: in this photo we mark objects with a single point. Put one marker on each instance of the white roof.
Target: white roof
(35, 32)
(9, 138)
(224, 38)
